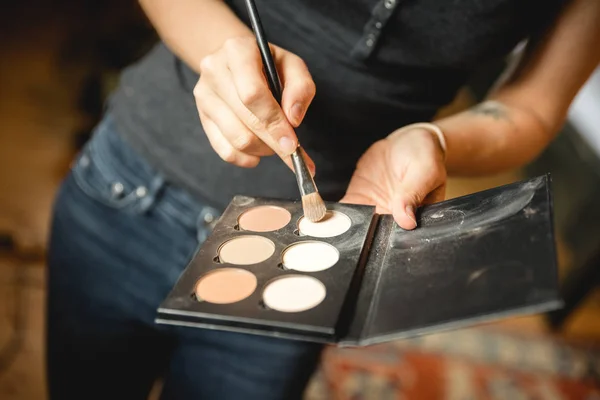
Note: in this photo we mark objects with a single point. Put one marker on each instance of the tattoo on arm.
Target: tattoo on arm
(492, 109)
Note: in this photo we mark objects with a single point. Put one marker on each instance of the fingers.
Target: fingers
(262, 114)
(299, 88)
(213, 111)
(235, 101)
(229, 125)
(223, 148)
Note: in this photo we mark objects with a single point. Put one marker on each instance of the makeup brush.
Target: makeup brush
(312, 203)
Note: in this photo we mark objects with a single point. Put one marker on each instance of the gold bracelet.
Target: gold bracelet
(429, 127)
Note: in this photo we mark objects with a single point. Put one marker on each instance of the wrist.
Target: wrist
(428, 127)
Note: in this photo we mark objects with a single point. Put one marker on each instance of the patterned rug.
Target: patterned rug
(461, 365)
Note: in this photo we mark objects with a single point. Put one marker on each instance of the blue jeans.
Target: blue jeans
(120, 238)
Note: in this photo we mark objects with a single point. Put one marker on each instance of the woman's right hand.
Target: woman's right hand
(240, 116)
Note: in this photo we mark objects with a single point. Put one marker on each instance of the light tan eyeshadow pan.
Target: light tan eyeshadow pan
(226, 285)
(246, 250)
(264, 219)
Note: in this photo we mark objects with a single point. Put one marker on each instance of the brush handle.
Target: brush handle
(265, 51)
(306, 183)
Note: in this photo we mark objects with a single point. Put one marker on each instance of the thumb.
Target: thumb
(408, 196)
(404, 211)
(298, 88)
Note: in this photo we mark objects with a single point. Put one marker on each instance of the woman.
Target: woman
(168, 156)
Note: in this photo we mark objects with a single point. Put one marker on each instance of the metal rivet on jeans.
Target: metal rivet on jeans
(84, 161)
(378, 25)
(389, 3)
(141, 191)
(370, 41)
(209, 218)
(117, 188)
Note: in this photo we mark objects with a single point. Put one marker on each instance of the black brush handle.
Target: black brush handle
(306, 184)
(265, 51)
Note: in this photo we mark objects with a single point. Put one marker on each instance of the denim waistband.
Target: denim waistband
(121, 177)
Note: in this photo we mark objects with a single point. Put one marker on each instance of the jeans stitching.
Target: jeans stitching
(79, 174)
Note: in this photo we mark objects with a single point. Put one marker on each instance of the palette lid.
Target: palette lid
(474, 258)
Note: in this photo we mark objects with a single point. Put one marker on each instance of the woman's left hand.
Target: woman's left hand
(398, 174)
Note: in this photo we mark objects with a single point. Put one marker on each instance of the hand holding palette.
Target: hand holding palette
(356, 278)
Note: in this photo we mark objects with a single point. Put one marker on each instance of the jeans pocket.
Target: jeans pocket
(109, 172)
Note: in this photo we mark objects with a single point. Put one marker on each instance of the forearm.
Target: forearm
(493, 137)
(194, 28)
(531, 107)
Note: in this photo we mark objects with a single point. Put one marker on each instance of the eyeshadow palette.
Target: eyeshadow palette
(357, 278)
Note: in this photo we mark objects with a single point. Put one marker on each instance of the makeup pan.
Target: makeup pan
(357, 278)
(294, 293)
(264, 219)
(333, 224)
(310, 256)
(226, 285)
(246, 250)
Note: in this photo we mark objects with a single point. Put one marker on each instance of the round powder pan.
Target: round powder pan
(309, 256)
(294, 293)
(264, 219)
(225, 286)
(333, 224)
(246, 250)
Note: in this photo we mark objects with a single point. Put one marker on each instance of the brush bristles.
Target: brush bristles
(314, 207)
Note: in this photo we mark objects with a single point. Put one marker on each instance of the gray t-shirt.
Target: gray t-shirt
(377, 65)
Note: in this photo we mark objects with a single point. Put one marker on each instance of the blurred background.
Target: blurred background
(58, 61)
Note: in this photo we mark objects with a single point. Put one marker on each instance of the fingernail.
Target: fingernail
(297, 112)
(410, 213)
(287, 145)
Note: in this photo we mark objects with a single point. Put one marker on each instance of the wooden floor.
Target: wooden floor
(37, 120)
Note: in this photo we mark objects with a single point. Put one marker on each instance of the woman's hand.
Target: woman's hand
(399, 173)
(240, 116)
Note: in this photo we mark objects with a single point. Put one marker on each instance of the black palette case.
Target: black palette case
(474, 258)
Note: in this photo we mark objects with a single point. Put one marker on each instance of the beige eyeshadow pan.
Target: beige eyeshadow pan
(226, 285)
(264, 219)
(246, 250)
